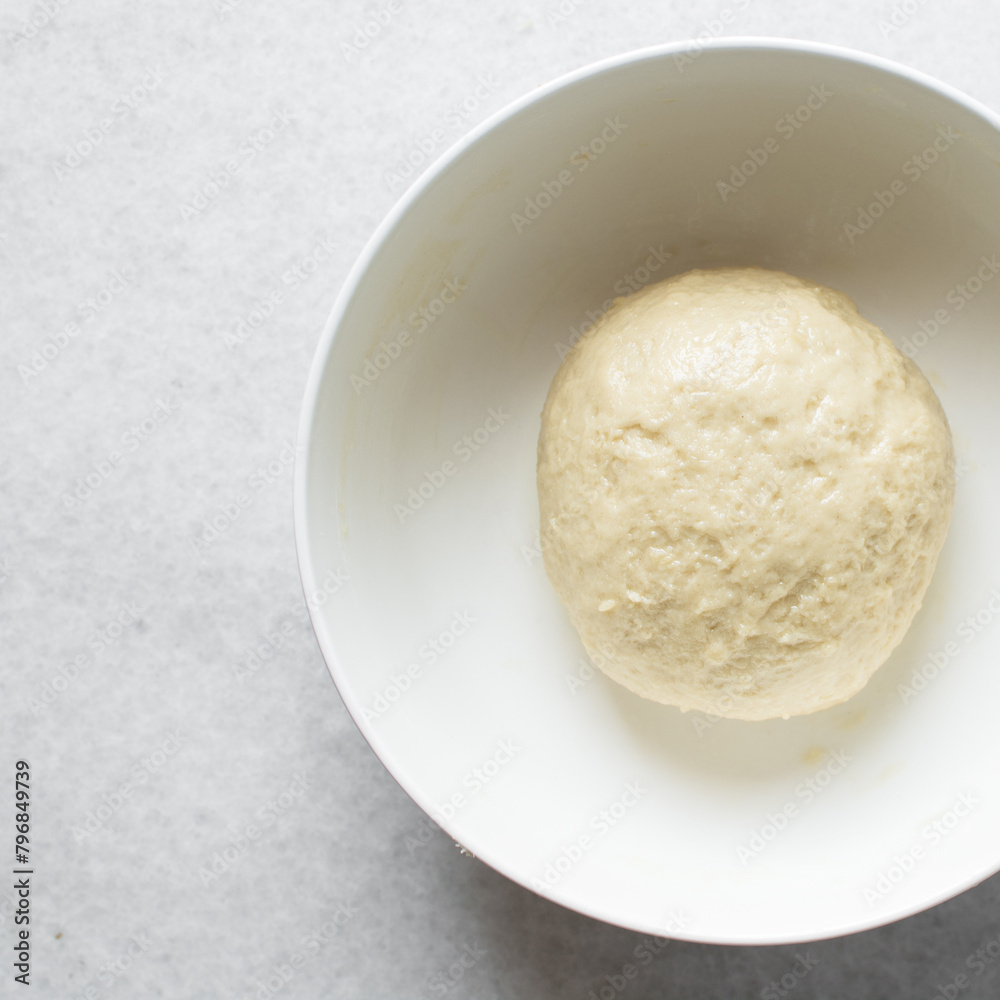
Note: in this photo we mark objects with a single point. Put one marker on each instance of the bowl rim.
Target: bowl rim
(307, 570)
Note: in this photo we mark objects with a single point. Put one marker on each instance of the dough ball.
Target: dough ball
(744, 488)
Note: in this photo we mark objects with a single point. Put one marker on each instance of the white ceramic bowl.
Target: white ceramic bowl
(419, 430)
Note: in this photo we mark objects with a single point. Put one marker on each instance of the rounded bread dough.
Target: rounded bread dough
(744, 488)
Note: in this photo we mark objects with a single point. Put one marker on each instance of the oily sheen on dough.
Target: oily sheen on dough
(744, 488)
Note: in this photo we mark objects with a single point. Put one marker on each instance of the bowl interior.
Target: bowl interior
(447, 642)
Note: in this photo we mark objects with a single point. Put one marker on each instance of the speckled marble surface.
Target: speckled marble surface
(183, 188)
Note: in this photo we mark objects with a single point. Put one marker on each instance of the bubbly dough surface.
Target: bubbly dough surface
(744, 488)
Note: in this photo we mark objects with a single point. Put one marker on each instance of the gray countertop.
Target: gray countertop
(184, 188)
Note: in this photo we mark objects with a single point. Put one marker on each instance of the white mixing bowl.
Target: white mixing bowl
(417, 521)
